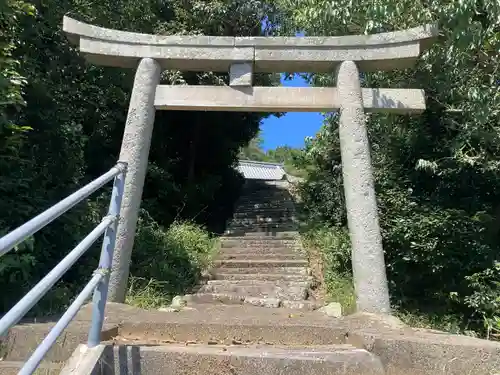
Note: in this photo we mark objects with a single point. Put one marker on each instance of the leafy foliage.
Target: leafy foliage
(182, 252)
(436, 174)
(76, 113)
(333, 244)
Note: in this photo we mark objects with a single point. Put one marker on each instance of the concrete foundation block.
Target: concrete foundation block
(234, 360)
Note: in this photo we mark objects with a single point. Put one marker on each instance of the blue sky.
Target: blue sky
(292, 128)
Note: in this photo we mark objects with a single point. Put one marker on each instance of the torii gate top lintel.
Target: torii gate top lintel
(384, 51)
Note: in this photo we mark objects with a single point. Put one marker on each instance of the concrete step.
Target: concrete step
(257, 241)
(262, 234)
(253, 218)
(263, 224)
(264, 192)
(262, 277)
(236, 299)
(266, 236)
(299, 271)
(270, 245)
(266, 252)
(266, 197)
(292, 293)
(284, 209)
(275, 217)
(225, 298)
(45, 368)
(266, 263)
(257, 220)
(23, 339)
(265, 207)
(246, 255)
(304, 305)
(267, 228)
(247, 360)
(205, 323)
(225, 328)
(265, 202)
(285, 283)
(257, 185)
(227, 324)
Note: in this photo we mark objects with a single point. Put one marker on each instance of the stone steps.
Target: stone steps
(264, 227)
(265, 192)
(264, 223)
(262, 277)
(266, 263)
(259, 282)
(236, 299)
(45, 368)
(273, 229)
(285, 233)
(246, 255)
(263, 208)
(218, 339)
(265, 198)
(273, 204)
(270, 190)
(256, 242)
(262, 234)
(248, 246)
(299, 271)
(258, 217)
(226, 324)
(285, 210)
(262, 219)
(268, 290)
(268, 215)
(251, 360)
(264, 203)
(262, 254)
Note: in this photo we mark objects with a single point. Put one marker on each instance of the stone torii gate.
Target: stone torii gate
(241, 57)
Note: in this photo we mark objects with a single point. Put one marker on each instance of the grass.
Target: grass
(447, 323)
(331, 247)
(168, 262)
(340, 289)
(329, 255)
(146, 294)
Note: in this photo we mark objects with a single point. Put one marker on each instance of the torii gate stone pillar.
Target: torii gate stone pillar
(241, 57)
(368, 263)
(135, 150)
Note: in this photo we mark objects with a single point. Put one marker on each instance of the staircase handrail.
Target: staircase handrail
(98, 284)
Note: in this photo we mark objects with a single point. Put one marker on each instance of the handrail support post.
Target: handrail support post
(106, 259)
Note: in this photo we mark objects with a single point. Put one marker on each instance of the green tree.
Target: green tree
(77, 113)
(253, 150)
(436, 174)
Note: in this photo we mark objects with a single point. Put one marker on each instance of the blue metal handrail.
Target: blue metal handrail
(98, 284)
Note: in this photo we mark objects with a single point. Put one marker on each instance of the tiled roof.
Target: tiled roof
(258, 170)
